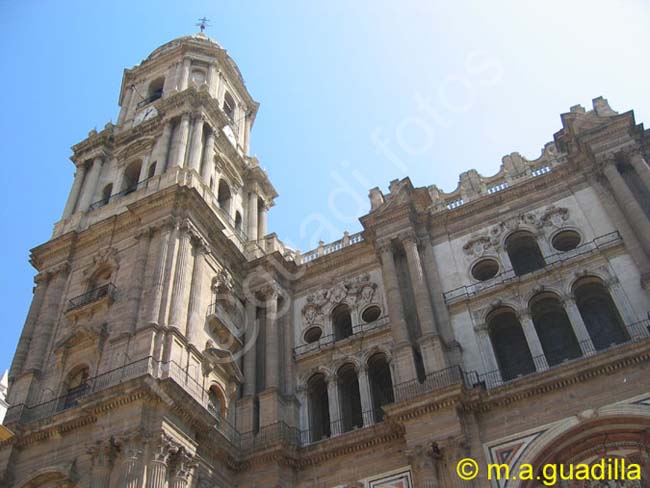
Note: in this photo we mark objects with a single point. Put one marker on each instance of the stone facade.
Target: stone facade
(173, 342)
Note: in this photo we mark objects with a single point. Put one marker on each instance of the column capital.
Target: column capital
(103, 454)
(408, 237)
(163, 447)
(384, 245)
(331, 378)
(271, 291)
(182, 464)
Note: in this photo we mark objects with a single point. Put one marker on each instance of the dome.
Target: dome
(199, 37)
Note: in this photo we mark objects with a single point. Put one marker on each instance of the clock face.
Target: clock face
(146, 114)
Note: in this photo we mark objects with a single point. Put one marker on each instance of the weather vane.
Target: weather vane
(203, 23)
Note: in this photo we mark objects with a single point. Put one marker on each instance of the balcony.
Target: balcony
(552, 261)
(224, 325)
(637, 332)
(327, 341)
(104, 293)
(118, 196)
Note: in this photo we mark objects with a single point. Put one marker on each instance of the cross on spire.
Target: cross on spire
(203, 23)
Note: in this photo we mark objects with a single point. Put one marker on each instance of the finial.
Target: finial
(203, 23)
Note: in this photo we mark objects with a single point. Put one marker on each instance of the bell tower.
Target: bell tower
(139, 295)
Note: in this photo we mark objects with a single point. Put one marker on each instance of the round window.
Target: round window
(371, 314)
(485, 269)
(566, 240)
(313, 334)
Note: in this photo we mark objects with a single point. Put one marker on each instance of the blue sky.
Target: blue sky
(353, 95)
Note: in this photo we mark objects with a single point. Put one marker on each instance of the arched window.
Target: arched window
(100, 278)
(524, 253)
(152, 170)
(509, 343)
(229, 106)
(216, 402)
(155, 89)
(319, 413)
(349, 398)
(341, 322)
(381, 384)
(599, 314)
(238, 221)
(131, 176)
(554, 329)
(76, 386)
(106, 193)
(224, 196)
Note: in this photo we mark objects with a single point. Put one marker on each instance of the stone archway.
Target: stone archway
(605, 441)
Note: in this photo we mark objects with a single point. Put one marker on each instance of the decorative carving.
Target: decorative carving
(553, 216)
(359, 291)
(477, 246)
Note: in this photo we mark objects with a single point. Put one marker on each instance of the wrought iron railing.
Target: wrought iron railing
(157, 95)
(94, 295)
(509, 275)
(116, 196)
(538, 364)
(437, 380)
(327, 340)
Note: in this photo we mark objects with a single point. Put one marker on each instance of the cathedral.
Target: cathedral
(173, 341)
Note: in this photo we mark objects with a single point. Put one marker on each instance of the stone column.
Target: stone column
(196, 315)
(90, 185)
(213, 79)
(303, 401)
(41, 281)
(535, 346)
(366, 396)
(130, 473)
(433, 353)
(181, 288)
(393, 297)
(158, 464)
(633, 212)
(178, 155)
(158, 275)
(185, 74)
(196, 144)
(47, 318)
(579, 327)
(75, 191)
(252, 216)
(126, 102)
(424, 311)
(435, 287)
(250, 355)
(103, 456)
(333, 402)
(208, 154)
(181, 469)
(272, 368)
(137, 275)
(161, 149)
(493, 378)
(642, 169)
(262, 222)
(403, 351)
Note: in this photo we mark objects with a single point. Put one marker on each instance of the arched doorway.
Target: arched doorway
(605, 441)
